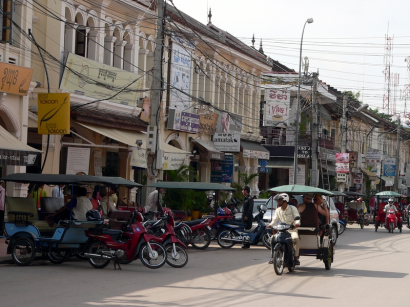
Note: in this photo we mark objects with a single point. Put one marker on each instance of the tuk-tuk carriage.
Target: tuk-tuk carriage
(26, 231)
(380, 220)
(314, 241)
(356, 212)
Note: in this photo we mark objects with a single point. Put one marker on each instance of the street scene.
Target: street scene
(234, 277)
(227, 152)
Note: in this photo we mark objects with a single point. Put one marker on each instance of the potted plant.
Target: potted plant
(199, 203)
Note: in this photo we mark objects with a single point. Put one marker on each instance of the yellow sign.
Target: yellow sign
(15, 79)
(54, 113)
(100, 81)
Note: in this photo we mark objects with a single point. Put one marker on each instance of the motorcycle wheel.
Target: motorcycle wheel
(153, 262)
(184, 234)
(99, 248)
(58, 256)
(342, 229)
(23, 251)
(201, 238)
(334, 234)
(224, 243)
(278, 261)
(266, 241)
(214, 234)
(391, 227)
(179, 259)
(328, 261)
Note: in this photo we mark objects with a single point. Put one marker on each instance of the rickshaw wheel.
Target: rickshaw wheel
(328, 261)
(58, 256)
(23, 251)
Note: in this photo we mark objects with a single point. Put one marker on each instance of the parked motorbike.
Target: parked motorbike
(233, 232)
(163, 228)
(201, 232)
(125, 246)
(283, 253)
(224, 214)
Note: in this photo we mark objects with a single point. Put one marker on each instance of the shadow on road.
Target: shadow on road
(336, 272)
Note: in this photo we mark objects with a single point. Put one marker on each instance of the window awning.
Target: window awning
(208, 151)
(372, 176)
(387, 179)
(15, 152)
(254, 150)
(280, 163)
(331, 169)
(130, 137)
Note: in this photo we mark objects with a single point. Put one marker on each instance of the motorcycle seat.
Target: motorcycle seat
(194, 222)
(111, 232)
(248, 230)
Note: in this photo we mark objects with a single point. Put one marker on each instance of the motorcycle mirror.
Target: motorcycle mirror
(297, 218)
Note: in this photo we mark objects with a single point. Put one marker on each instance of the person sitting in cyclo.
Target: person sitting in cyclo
(389, 206)
(286, 215)
(308, 213)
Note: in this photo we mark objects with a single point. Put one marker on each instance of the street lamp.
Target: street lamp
(295, 157)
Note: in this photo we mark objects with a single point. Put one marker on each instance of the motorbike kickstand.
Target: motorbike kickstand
(115, 265)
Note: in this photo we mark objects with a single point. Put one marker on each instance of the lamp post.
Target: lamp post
(295, 157)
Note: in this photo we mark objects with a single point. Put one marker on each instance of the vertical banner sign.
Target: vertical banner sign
(180, 78)
(98, 163)
(390, 167)
(277, 107)
(342, 163)
(54, 113)
(353, 159)
(301, 175)
(78, 160)
(222, 171)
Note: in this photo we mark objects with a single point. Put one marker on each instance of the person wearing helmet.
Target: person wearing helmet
(286, 214)
(390, 205)
(247, 210)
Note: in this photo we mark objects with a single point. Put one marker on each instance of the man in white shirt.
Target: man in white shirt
(154, 201)
(286, 214)
(58, 191)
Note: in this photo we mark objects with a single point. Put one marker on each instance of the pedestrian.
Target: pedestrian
(38, 194)
(247, 210)
(2, 203)
(154, 202)
(58, 191)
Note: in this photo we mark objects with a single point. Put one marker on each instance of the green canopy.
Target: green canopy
(299, 189)
(119, 181)
(205, 186)
(388, 193)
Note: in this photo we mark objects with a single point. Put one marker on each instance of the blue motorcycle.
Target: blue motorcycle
(233, 232)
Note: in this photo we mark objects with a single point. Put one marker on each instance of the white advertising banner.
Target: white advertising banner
(139, 158)
(78, 160)
(277, 107)
(300, 178)
(264, 155)
(173, 161)
(180, 78)
(227, 142)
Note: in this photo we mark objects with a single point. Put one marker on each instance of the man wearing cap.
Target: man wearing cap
(286, 214)
(247, 210)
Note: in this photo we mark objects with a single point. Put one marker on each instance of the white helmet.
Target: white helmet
(390, 200)
(284, 196)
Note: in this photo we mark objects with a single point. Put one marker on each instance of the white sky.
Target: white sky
(346, 41)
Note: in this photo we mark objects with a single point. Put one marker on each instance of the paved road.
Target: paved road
(368, 268)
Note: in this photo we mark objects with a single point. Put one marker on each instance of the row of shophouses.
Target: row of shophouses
(217, 110)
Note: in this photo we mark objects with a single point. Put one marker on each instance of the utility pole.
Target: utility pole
(157, 84)
(343, 129)
(315, 127)
(397, 174)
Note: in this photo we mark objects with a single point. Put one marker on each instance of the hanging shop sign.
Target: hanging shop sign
(208, 121)
(304, 152)
(86, 77)
(247, 153)
(139, 158)
(342, 168)
(173, 161)
(390, 167)
(342, 157)
(228, 142)
(301, 175)
(78, 160)
(277, 107)
(18, 157)
(183, 121)
(222, 171)
(340, 177)
(180, 78)
(54, 113)
(373, 157)
(358, 181)
(353, 159)
(15, 79)
(229, 123)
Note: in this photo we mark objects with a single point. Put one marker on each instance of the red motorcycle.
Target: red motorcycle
(177, 256)
(125, 246)
(201, 232)
(391, 220)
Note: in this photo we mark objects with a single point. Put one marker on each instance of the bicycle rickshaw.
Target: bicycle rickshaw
(380, 220)
(313, 242)
(26, 231)
(355, 213)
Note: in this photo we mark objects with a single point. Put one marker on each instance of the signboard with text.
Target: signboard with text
(222, 171)
(277, 107)
(183, 121)
(53, 113)
(304, 152)
(390, 167)
(301, 175)
(15, 79)
(207, 122)
(227, 142)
